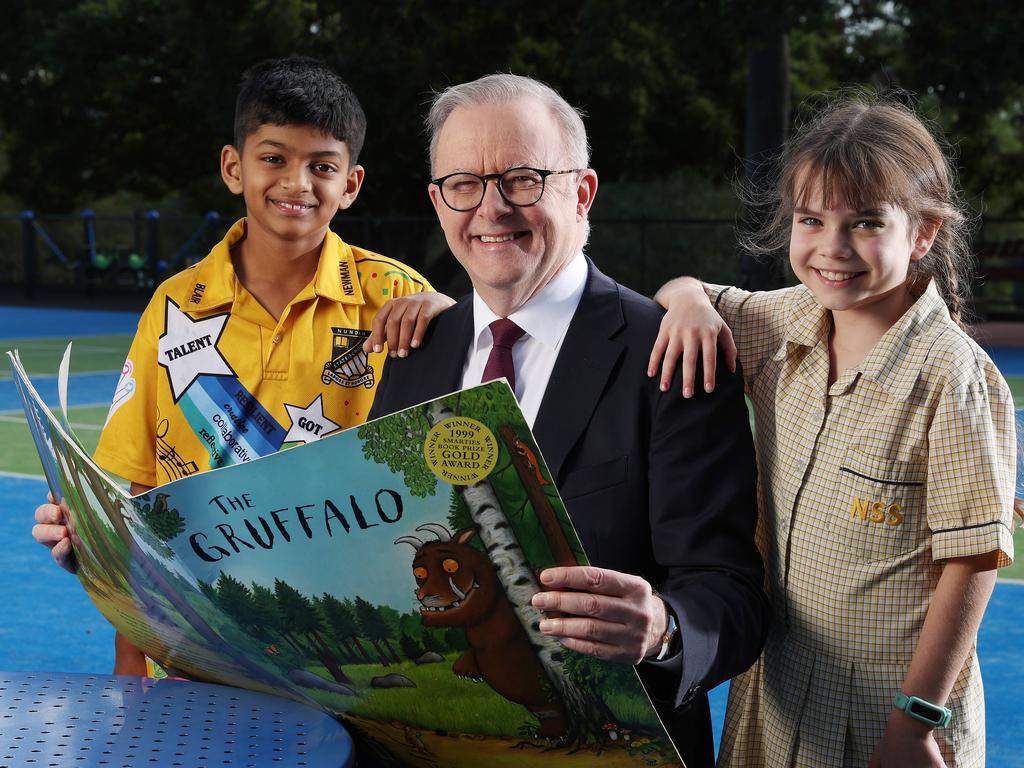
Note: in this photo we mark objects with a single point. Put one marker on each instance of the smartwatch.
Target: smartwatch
(925, 711)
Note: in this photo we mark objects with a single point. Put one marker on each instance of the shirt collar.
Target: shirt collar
(337, 276)
(546, 316)
(807, 321)
(888, 363)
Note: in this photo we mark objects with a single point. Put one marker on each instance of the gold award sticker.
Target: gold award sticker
(461, 450)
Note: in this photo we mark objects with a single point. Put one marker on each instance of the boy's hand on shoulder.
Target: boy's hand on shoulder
(51, 530)
(402, 322)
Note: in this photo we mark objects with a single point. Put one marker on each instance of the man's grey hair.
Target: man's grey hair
(504, 88)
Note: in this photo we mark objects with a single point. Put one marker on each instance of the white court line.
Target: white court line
(20, 476)
(58, 338)
(78, 347)
(4, 376)
(7, 419)
(18, 411)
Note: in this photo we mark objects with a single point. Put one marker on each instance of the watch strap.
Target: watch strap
(922, 710)
(671, 630)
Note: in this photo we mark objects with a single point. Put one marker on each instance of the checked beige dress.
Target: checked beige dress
(865, 487)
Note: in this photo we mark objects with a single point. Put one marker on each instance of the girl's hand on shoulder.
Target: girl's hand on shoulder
(401, 322)
(906, 743)
(690, 330)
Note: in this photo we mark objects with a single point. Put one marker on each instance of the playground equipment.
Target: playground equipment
(137, 263)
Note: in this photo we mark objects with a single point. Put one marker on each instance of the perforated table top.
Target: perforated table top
(64, 719)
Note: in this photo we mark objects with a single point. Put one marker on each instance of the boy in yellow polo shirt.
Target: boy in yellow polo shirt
(259, 345)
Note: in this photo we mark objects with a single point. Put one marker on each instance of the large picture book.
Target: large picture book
(383, 574)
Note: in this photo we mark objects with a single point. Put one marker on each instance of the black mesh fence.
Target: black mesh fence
(124, 256)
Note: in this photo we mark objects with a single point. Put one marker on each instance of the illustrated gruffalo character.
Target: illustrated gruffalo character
(457, 586)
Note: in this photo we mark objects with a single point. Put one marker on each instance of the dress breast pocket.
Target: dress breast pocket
(880, 505)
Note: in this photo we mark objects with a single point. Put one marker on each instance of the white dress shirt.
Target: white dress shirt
(545, 318)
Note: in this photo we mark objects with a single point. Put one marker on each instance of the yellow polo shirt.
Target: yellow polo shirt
(866, 486)
(213, 379)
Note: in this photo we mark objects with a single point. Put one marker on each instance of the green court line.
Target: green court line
(1016, 384)
(18, 452)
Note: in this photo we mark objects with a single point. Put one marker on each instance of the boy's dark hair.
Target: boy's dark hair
(299, 91)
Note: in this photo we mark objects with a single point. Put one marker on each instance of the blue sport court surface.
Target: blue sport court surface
(50, 624)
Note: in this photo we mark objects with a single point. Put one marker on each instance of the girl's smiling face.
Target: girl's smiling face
(855, 260)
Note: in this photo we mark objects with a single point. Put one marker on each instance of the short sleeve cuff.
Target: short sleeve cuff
(116, 465)
(976, 539)
(719, 293)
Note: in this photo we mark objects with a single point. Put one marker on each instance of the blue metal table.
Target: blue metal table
(65, 719)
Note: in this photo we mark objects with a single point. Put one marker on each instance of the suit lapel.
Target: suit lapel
(448, 346)
(581, 371)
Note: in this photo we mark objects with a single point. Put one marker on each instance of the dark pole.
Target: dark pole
(88, 268)
(767, 122)
(152, 245)
(28, 253)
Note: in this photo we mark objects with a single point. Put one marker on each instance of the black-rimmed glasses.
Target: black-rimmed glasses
(521, 187)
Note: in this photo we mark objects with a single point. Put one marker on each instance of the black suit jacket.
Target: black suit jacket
(656, 485)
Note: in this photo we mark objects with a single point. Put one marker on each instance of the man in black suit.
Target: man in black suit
(661, 489)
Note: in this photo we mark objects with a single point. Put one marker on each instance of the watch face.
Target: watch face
(925, 712)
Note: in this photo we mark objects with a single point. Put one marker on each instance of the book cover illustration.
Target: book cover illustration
(383, 573)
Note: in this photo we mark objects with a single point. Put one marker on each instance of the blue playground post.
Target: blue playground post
(89, 236)
(181, 259)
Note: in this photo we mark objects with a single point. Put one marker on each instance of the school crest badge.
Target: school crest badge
(349, 366)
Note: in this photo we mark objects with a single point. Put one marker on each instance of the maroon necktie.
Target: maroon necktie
(499, 362)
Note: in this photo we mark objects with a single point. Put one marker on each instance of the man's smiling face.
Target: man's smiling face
(511, 252)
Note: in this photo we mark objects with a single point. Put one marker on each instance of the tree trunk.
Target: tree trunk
(381, 656)
(329, 659)
(529, 473)
(391, 650)
(767, 120)
(299, 650)
(362, 651)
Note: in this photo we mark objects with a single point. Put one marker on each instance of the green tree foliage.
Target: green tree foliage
(593, 675)
(164, 522)
(397, 442)
(375, 628)
(101, 96)
(412, 649)
(264, 607)
(411, 624)
(458, 513)
(455, 639)
(235, 599)
(300, 615)
(433, 640)
(339, 617)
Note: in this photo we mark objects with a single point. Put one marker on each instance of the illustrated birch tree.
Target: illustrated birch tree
(398, 442)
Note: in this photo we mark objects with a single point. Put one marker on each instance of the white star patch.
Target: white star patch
(309, 424)
(188, 348)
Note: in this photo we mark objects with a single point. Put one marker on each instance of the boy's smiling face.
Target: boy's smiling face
(293, 179)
